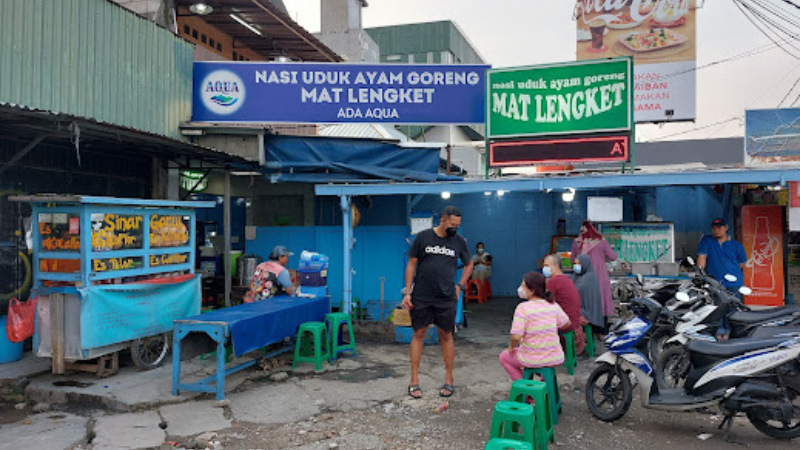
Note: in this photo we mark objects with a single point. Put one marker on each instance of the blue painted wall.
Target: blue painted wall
(379, 252)
(691, 208)
(516, 229)
(378, 210)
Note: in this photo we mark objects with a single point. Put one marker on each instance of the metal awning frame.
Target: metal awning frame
(415, 191)
(777, 176)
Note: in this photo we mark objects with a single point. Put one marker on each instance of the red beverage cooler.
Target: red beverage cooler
(762, 236)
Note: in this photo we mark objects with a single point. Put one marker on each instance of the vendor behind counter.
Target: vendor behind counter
(271, 278)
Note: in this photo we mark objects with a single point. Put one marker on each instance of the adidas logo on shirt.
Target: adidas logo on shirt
(439, 250)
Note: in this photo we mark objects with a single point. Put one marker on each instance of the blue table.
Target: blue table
(250, 326)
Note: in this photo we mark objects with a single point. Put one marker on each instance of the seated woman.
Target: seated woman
(534, 331)
(482, 262)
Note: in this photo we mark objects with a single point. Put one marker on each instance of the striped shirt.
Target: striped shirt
(538, 321)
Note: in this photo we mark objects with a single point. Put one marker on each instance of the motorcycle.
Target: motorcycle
(710, 304)
(760, 377)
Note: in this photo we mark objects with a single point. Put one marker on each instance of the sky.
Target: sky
(510, 33)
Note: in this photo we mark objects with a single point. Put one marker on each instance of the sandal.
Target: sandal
(447, 387)
(413, 389)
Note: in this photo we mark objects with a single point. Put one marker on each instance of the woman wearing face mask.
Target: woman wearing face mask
(593, 244)
(482, 261)
(534, 331)
(588, 285)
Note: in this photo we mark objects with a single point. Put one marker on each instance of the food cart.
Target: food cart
(111, 274)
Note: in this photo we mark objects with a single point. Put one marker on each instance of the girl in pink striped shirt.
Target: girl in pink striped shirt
(534, 331)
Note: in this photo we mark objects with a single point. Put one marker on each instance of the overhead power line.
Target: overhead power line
(747, 12)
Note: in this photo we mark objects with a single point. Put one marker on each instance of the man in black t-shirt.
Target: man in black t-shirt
(432, 264)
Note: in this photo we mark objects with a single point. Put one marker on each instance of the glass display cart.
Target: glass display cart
(111, 274)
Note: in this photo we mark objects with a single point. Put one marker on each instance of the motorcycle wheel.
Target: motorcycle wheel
(767, 420)
(658, 342)
(671, 368)
(150, 352)
(608, 393)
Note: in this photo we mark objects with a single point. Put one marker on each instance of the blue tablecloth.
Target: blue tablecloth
(256, 325)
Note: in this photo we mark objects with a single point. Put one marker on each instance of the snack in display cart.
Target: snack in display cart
(655, 39)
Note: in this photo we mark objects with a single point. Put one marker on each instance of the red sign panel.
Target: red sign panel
(551, 151)
(74, 225)
(762, 233)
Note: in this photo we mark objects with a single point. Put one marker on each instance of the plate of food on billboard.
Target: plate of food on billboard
(661, 37)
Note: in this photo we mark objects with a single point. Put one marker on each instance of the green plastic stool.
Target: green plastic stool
(587, 329)
(550, 379)
(520, 391)
(507, 444)
(334, 321)
(321, 350)
(570, 358)
(511, 416)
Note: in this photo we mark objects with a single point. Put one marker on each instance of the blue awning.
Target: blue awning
(310, 159)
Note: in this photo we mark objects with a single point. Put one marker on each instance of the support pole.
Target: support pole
(347, 263)
(226, 263)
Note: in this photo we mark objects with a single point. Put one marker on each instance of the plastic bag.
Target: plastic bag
(21, 319)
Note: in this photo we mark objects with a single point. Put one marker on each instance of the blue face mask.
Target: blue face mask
(577, 268)
(547, 272)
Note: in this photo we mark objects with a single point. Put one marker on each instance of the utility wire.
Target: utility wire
(694, 129)
(781, 15)
(788, 2)
(790, 91)
(742, 7)
(756, 51)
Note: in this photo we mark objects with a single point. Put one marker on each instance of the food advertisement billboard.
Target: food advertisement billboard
(660, 35)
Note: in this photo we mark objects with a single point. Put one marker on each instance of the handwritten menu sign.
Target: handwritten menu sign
(113, 264)
(116, 232)
(55, 232)
(169, 260)
(168, 231)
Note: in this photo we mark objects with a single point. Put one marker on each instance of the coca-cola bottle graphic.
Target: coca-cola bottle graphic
(762, 277)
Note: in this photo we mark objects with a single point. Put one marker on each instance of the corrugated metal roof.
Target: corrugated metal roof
(278, 35)
(26, 124)
(94, 59)
(363, 130)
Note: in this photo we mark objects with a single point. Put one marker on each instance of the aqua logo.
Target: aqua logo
(222, 92)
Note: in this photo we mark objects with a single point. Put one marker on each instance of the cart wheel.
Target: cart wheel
(149, 353)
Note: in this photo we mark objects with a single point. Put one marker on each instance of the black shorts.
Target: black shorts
(442, 314)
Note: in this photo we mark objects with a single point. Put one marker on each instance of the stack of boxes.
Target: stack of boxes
(313, 274)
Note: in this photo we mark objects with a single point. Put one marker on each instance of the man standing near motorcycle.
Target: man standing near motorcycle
(720, 255)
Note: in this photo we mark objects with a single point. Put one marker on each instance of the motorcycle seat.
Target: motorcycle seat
(764, 314)
(731, 347)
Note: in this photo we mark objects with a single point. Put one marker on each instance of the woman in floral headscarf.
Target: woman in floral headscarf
(592, 244)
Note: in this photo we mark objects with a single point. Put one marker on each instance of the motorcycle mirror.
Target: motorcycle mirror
(682, 296)
(640, 279)
(731, 278)
(744, 290)
(690, 260)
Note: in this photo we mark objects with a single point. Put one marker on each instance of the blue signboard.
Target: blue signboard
(120, 313)
(772, 135)
(337, 93)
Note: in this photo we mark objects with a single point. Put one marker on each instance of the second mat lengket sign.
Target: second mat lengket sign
(561, 99)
